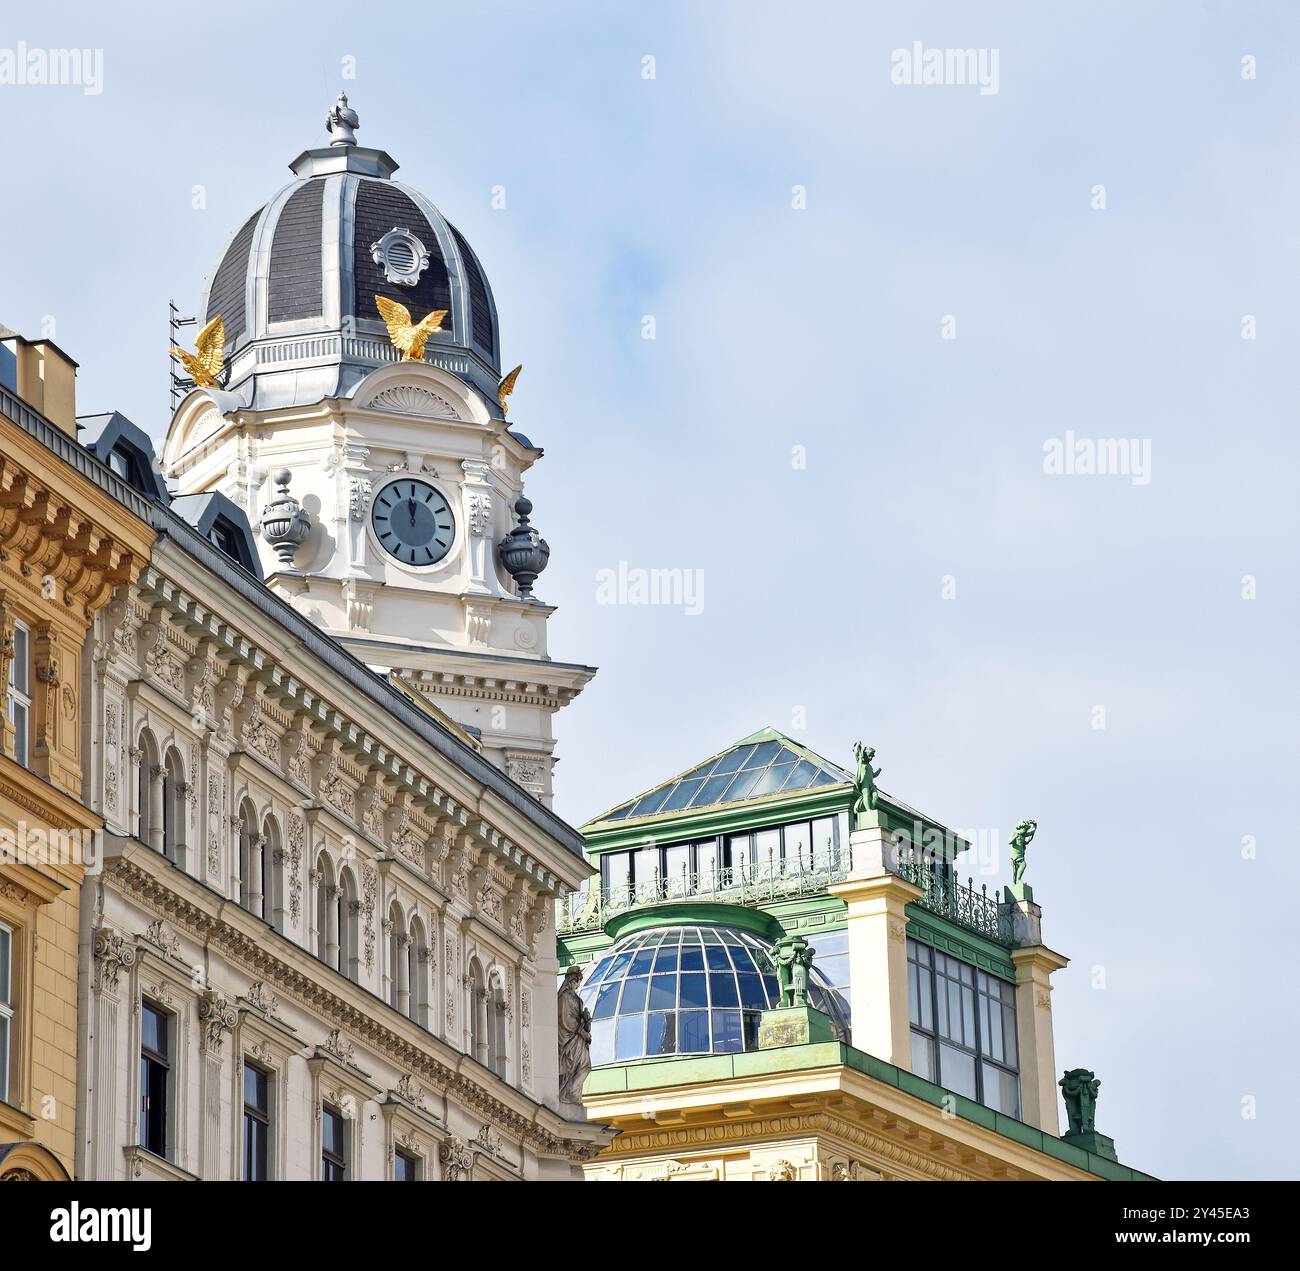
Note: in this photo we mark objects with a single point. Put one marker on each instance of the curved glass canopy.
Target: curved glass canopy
(694, 990)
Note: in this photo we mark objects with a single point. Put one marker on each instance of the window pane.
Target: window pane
(922, 1056)
(957, 1070)
(798, 854)
(722, 989)
(693, 991)
(634, 994)
(693, 1032)
(6, 966)
(1001, 1090)
(629, 1039)
(666, 958)
(661, 1033)
(726, 1032)
(692, 958)
(153, 1029)
(4, 1058)
(751, 992)
(606, 1000)
(19, 667)
(663, 992)
(767, 847)
(602, 1041)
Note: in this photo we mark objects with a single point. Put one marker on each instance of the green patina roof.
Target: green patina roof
(759, 766)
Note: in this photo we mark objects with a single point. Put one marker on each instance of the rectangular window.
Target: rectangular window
(155, 1074)
(963, 1028)
(6, 1006)
(616, 871)
(334, 1146)
(406, 1168)
(257, 1124)
(19, 697)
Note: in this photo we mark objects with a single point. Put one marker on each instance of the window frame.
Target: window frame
(260, 1116)
(149, 1060)
(935, 1038)
(8, 1011)
(20, 697)
(330, 1161)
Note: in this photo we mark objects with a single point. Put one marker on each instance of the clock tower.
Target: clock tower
(386, 489)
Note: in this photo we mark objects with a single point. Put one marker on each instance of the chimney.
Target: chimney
(43, 376)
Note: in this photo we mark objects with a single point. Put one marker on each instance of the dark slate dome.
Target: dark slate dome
(297, 282)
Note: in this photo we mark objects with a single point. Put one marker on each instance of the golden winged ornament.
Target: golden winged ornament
(506, 387)
(408, 337)
(204, 364)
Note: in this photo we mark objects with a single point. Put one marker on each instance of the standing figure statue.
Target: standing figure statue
(793, 957)
(1020, 840)
(864, 780)
(575, 1038)
(1079, 1087)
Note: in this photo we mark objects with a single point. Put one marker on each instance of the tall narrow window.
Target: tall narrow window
(257, 1124)
(19, 703)
(334, 1146)
(173, 809)
(406, 1168)
(963, 1028)
(6, 1006)
(155, 1071)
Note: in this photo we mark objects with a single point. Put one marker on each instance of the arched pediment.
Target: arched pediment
(419, 391)
(199, 418)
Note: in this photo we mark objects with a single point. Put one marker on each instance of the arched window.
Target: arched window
(251, 857)
(418, 961)
(398, 981)
(149, 793)
(327, 930)
(478, 1027)
(496, 1022)
(173, 808)
(272, 874)
(346, 920)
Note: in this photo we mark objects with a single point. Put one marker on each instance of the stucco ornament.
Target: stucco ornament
(794, 959)
(864, 781)
(1079, 1087)
(575, 1038)
(1019, 841)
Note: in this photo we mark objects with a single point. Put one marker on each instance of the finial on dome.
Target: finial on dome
(342, 123)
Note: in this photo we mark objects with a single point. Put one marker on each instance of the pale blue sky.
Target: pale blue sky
(820, 328)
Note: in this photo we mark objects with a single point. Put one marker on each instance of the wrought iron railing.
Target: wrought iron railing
(945, 895)
(747, 884)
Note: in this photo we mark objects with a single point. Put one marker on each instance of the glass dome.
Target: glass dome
(687, 991)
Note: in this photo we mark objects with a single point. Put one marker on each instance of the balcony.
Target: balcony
(749, 884)
(945, 895)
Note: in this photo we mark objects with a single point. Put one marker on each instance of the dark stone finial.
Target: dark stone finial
(523, 552)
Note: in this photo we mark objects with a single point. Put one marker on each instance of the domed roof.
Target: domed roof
(297, 282)
(688, 990)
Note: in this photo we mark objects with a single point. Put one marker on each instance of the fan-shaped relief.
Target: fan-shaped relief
(411, 399)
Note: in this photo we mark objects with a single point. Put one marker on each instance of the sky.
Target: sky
(878, 309)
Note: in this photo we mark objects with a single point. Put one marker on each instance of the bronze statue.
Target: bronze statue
(575, 1038)
(794, 958)
(1019, 841)
(864, 780)
(1079, 1087)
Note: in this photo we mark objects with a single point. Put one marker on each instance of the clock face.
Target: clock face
(413, 522)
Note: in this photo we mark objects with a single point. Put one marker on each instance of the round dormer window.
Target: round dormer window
(401, 256)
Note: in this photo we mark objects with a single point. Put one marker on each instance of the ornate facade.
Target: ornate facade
(307, 877)
(65, 544)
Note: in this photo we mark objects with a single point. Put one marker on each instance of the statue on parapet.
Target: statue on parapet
(864, 780)
(794, 958)
(574, 1021)
(1079, 1087)
(1019, 841)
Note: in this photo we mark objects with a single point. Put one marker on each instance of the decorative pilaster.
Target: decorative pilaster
(877, 929)
(1034, 966)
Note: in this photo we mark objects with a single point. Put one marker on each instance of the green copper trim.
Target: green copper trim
(658, 1073)
(691, 914)
(958, 942)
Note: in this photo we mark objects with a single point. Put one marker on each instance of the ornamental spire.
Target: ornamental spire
(342, 123)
